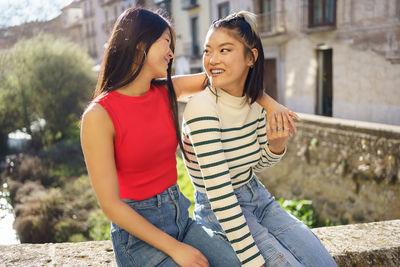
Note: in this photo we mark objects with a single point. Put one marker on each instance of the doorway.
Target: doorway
(270, 78)
(324, 82)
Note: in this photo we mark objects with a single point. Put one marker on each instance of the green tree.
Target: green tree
(45, 78)
(10, 118)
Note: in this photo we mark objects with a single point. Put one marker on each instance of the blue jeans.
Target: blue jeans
(168, 211)
(282, 239)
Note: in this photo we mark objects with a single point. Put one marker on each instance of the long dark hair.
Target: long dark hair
(241, 26)
(134, 32)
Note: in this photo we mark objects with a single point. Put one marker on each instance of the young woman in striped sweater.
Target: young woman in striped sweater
(227, 139)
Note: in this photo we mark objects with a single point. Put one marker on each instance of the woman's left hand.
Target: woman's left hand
(288, 115)
(278, 132)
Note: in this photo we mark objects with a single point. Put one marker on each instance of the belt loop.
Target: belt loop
(158, 201)
(171, 193)
(178, 191)
(251, 189)
(256, 180)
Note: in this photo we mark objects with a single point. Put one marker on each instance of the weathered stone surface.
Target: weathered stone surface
(349, 169)
(370, 244)
(97, 253)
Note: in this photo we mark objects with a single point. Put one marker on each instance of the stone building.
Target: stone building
(191, 20)
(11, 35)
(72, 21)
(333, 58)
(98, 19)
(324, 57)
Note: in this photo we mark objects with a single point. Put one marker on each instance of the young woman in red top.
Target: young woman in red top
(129, 136)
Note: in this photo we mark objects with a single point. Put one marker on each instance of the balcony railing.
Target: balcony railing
(90, 34)
(188, 4)
(107, 26)
(271, 23)
(107, 2)
(192, 50)
(88, 13)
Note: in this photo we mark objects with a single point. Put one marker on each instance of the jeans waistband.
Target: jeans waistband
(167, 195)
(253, 183)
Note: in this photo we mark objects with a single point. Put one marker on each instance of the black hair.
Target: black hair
(241, 26)
(134, 32)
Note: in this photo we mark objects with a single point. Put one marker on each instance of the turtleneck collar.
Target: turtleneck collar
(228, 99)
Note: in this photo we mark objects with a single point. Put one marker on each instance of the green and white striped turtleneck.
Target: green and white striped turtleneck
(225, 138)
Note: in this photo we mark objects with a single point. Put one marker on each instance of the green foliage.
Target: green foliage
(314, 142)
(301, 209)
(185, 183)
(100, 226)
(45, 78)
(37, 211)
(65, 159)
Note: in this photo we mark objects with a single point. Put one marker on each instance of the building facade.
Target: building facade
(333, 58)
(97, 22)
(71, 17)
(338, 58)
(191, 19)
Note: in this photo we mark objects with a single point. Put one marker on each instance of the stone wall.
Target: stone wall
(349, 169)
(371, 244)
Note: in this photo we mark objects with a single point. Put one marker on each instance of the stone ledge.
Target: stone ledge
(368, 244)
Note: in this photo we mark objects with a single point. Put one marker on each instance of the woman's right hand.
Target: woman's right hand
(188, 256)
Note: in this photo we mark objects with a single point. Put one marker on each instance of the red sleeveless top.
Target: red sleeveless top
(145, 141)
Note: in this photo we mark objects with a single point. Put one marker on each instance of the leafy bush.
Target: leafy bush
(185, 183)
(46, 78)
(301, 209)
(37, 210)
(24, 167)
(99, 225)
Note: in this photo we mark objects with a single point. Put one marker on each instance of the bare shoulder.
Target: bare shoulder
(96, 116)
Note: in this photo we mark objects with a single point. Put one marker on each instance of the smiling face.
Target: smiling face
(225, 61)
(159, 55)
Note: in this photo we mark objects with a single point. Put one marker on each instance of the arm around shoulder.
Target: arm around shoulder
(187, 85)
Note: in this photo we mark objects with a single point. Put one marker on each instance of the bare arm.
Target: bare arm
(187, 85)
(272, 109)
(97, 134)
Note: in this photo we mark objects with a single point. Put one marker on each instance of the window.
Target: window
(164, 4)
(322, 13)
(188, 4)
(194, 27)
(223, 10)
(266, 6)
(93, 33)
(324, 82)
(90, 8)
(266, 18)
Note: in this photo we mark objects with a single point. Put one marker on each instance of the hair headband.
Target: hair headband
(249, 17)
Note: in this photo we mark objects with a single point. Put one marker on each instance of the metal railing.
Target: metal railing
(271, 22)
(187, 4)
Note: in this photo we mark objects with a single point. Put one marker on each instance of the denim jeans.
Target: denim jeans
(282, 239)
(168, 211)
